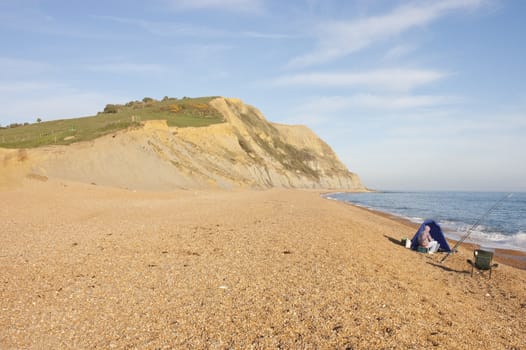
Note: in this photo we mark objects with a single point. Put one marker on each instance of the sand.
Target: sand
(87, 267)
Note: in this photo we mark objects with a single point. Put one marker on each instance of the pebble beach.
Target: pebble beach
(89, 267)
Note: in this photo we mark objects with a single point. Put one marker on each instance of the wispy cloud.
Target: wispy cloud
(403, 101)
(332, 113)
(55, 106)
(12, 87)
(125, 67)
(51, 100)
(261, 35)
(30, 18)
(180, 29)
(398, 52)
(337, 39)
(246, 6)
(19, 67)
(382, 79)
(371, 102)
(163, 28)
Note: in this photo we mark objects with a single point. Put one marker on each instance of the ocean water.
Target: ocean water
(501, 217)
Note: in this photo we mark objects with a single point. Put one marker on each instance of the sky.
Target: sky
(411, 95)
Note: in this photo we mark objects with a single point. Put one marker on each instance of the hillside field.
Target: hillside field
(185, 112)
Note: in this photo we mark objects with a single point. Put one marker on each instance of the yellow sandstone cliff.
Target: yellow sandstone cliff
(246, 151)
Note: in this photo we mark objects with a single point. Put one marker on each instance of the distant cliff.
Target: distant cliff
(246, 151)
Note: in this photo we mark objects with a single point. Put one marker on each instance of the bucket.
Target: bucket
(408, 243)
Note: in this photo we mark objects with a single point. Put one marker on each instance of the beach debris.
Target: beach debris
(223, 287)
(189, 252)
(337, 328)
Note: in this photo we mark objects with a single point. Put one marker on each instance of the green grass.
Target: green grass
(186, 112)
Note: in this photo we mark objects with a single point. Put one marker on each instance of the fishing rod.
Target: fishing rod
(475, 225)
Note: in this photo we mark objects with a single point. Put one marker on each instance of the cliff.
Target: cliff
(246, 151)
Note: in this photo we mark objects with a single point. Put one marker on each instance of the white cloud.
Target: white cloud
(365, 104)
(52, 105)
(337, 39)
(125, 67)
(25, 101)
(420, 111)
(247, 6)
(260, 35)
(163, 28)
(14, 87)
(14, 69)
(8, 64)
(391, 102)
(383, 79)
(179, 29)
(398, 52)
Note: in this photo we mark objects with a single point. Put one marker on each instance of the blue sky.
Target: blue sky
(411, 95)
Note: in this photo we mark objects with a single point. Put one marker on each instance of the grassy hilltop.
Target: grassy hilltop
(185, 112)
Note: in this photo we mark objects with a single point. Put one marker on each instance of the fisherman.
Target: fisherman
(425, 240)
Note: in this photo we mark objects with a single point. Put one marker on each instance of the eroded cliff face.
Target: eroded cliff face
(246, 151)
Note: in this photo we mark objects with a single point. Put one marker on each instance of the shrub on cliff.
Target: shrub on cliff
(111, 108)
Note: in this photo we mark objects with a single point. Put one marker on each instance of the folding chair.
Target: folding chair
(483, 261)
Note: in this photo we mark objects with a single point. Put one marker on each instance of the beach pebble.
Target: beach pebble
(321, 276)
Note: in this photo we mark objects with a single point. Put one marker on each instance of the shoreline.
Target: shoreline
(510, 257)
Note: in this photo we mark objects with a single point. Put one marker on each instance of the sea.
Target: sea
(489, 219)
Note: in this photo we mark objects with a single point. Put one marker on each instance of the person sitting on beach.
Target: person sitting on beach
(425, 240)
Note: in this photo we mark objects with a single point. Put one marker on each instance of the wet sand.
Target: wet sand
(86, 267)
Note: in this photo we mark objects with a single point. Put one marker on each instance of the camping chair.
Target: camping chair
(483, 261)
